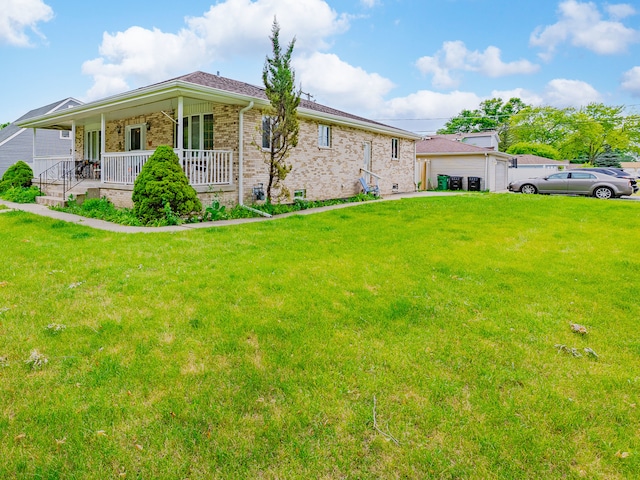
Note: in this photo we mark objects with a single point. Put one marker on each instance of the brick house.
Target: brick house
(215, 126)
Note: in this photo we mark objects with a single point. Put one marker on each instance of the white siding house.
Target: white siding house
(439, 155)
(18, 143)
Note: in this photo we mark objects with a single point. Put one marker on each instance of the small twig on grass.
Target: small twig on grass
(388, 436)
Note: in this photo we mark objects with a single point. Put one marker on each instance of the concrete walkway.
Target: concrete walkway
(114, 227)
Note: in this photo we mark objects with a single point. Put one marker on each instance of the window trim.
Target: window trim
(94, 142)
(395, 149)
(324, 135)
(62, 134)
(187, 122)
(143, 136)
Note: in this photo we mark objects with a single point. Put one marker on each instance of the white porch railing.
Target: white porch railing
(123, 167)
(42, 164)
(208, 167)
(202, 167)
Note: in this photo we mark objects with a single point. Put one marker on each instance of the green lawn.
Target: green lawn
(407, 339)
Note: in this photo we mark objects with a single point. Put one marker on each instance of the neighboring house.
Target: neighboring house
(531, 166)
(631, 167)
(489, 139)
(17, 143)
(440, 155)
(215, 125)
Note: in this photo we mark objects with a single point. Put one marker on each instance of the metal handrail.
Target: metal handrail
(58, 172)
(371, 173)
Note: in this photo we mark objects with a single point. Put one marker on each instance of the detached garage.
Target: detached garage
(441, 156)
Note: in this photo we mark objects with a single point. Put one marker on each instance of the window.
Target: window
(65, 134)
(558, 176)
(582, 175)
(92, 145)
(197, 132)
(394, 149)
(324, 136)
(266, 132)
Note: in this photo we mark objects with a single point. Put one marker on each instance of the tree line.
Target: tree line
(597, 133)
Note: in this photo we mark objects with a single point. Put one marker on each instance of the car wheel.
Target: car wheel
(528, 188)
(603, 192)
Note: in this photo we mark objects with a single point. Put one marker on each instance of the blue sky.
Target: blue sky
(410, 63)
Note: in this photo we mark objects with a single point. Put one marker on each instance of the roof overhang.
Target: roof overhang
(136, 102)
(356, 123)
(488, 153)
(164, 96)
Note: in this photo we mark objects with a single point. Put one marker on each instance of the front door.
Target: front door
(134, 139)
(367, 161)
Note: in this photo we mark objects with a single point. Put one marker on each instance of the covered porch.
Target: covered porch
(114, 138)
(202, 167)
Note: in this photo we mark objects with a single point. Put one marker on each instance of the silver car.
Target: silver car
(575, 183)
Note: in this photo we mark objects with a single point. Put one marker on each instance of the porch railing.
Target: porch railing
(208, 167)
(202, 167)
(123, 167)
(54, 166)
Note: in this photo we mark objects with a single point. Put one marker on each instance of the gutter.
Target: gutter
(241, 162)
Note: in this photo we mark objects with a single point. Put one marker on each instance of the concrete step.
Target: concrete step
(51, 201)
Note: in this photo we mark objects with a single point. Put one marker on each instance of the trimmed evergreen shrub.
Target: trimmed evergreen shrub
(17, 175)
(163, 187)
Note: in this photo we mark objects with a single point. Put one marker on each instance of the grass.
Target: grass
(256, 351)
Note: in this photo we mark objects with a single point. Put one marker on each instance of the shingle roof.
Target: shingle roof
(12, 128)
(444, 145)
(234, 86)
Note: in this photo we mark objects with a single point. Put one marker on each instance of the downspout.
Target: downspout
(486, 171)
(415, 166)
(241, 162)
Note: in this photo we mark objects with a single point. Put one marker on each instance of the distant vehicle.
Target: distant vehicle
(594, 184)
(616, 172)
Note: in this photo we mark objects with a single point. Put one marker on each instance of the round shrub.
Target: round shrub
(17, 175)
(162, 189)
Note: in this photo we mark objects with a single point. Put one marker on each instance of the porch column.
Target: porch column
(180, 143)
(103, 135)
(73, 140)
(103, 143)
(33, 153)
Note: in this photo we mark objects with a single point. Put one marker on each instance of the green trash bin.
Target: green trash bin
(443, 182)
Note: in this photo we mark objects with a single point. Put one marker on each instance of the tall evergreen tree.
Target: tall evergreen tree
(281, 127)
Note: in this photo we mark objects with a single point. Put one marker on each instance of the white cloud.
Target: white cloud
(570, 93)
(620, 10)
(454, 56)
(427, 104)
(582, 25)
(143, 55)
(370, 3)
(527, 96)
(18, 15)
(228, 29)
(631, 81)
(326, 76)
